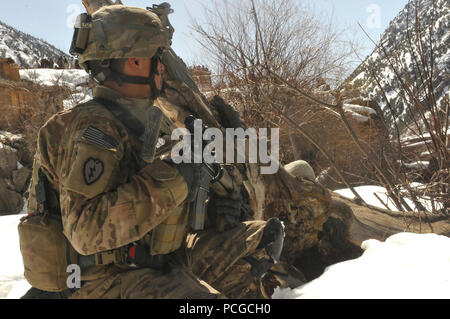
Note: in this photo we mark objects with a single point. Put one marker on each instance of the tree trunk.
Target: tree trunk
(377, 223)
(349, 224)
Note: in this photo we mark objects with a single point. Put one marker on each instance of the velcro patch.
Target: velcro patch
(99, 138)
(93, 170)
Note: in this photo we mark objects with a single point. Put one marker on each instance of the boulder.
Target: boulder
(301, 169)
(11, 202)
(19, 143)
(8, 160)
(20, 179)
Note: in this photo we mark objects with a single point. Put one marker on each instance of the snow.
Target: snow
(417, 165)
(360, 76)
(368, 192)
(358, 117)
(404, 266)
(358, 112)
(77, 98)
(10, 136)
(408, 138)
(12, 282)
(75, 79)
(50, 77)
(360, 109)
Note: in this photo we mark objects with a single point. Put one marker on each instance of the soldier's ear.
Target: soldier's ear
(137, 67)
(137, 63)
(133, 63)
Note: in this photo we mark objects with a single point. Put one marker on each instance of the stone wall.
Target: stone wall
(14, 177)
(202, 77)
(9, 69)
(14, 99)
(21, 102)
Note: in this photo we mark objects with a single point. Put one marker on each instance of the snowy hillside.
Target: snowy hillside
(24, 49)
(399, 39)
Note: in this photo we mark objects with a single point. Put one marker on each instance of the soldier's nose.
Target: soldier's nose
(161, 67)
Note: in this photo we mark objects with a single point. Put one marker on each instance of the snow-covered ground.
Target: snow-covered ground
(12, 282)
(406, 265)
(49, 77)
(368, 194)
(74, 79)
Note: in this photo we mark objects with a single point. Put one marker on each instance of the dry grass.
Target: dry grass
(26, 107)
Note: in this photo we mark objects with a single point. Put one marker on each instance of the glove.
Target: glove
(227, 212)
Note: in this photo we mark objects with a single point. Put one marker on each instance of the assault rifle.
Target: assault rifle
(205, 173)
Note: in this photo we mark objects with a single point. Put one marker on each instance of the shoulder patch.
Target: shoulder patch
(93, 170)
(99, 138)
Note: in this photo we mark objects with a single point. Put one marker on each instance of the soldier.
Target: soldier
(127, 220)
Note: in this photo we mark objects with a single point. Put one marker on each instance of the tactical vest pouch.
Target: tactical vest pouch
(170, 234)
(46, 252)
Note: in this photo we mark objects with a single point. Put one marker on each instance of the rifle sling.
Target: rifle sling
(124, 116)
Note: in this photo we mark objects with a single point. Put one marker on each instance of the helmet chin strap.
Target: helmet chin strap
(121, 78)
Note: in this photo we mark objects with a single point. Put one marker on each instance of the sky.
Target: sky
(52, 20)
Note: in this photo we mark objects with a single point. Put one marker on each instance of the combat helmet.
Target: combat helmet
(117, 32)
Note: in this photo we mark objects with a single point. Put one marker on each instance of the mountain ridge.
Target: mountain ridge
(26, 50)
(399, 39)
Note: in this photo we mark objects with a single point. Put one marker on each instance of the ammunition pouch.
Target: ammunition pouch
(46, 252)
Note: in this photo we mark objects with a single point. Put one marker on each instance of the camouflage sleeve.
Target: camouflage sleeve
(102, 208)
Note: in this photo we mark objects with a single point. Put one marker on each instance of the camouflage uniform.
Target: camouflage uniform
(109, 199)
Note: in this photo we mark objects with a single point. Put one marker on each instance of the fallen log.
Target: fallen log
(348, 224)
(373, 222)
